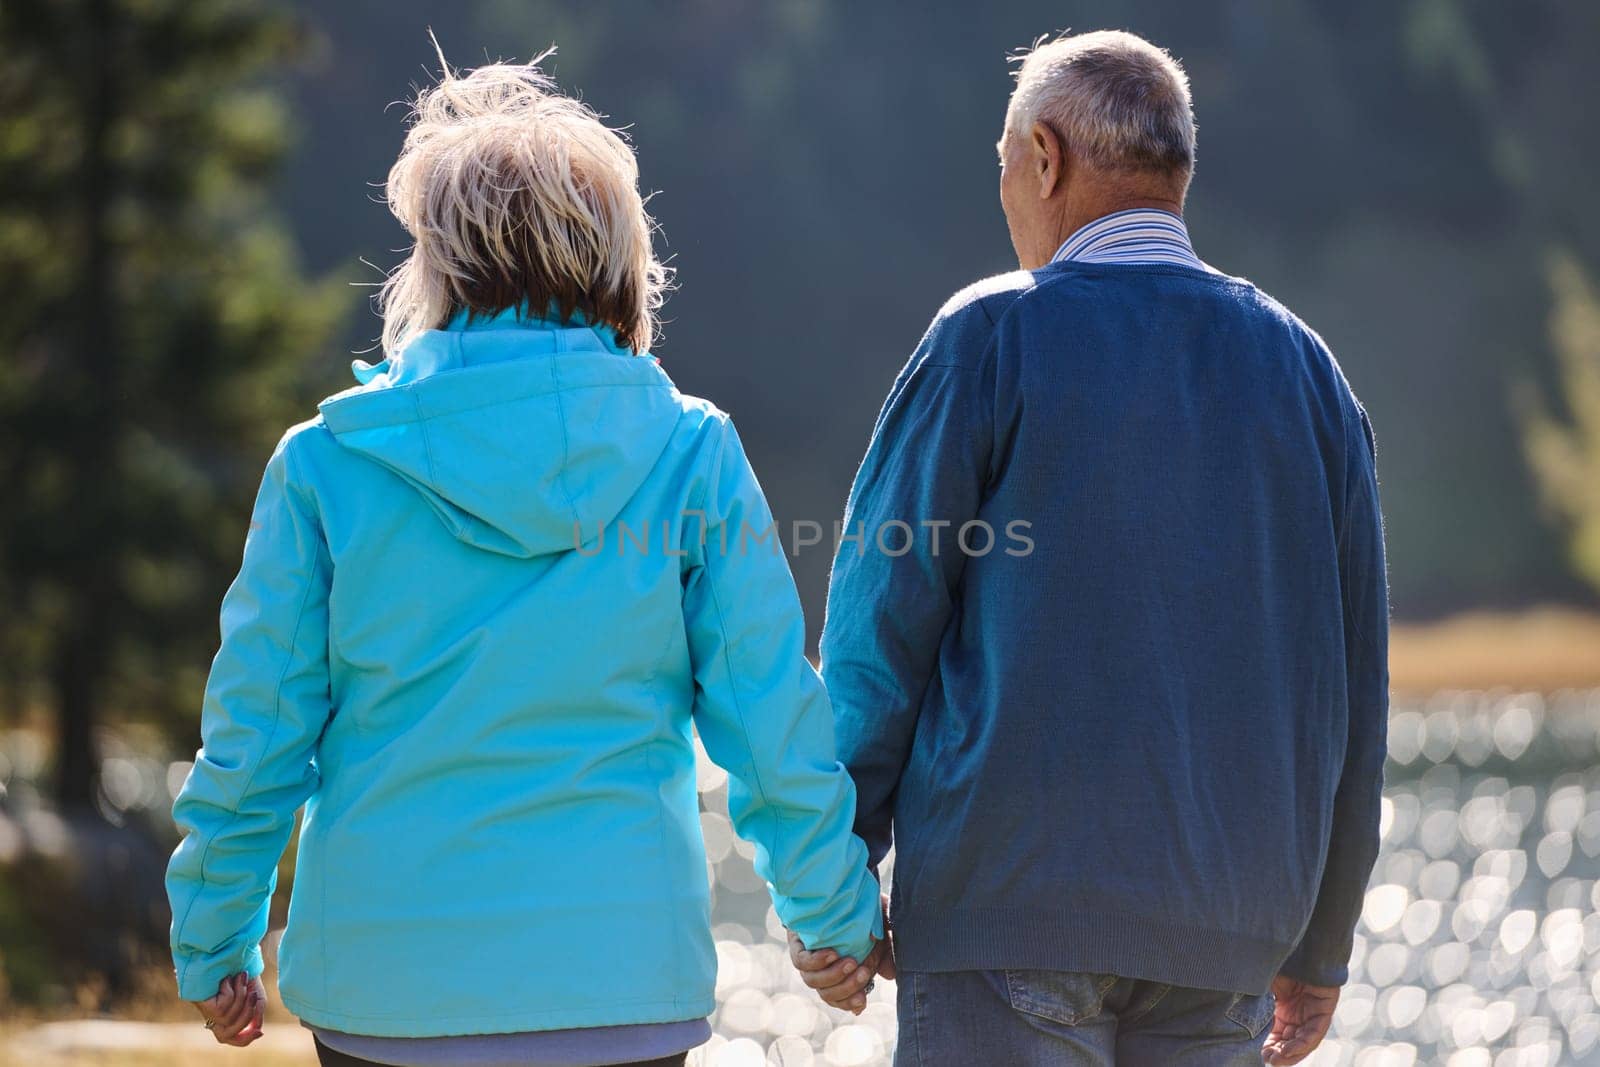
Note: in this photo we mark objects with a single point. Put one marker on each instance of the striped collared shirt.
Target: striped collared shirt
(1139, 235)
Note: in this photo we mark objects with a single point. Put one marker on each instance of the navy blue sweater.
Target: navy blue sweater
(1143, 733)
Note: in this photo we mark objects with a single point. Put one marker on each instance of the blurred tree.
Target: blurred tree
(153, 336)
(1566, 454)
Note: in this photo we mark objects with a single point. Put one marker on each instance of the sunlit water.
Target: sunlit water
(1479, 945)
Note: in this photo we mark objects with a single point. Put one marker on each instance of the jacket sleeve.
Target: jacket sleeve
(1323, 954)
(924, 476)
(266, 703)
(764, 716)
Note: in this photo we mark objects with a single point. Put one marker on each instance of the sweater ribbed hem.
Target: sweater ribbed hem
(1130, 946)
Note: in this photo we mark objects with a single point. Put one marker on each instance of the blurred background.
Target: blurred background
(191, 214)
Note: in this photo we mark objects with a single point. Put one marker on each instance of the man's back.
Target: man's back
(1118, 748)
(1131, 755)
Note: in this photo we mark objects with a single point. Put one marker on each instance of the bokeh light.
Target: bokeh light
(1479, 944)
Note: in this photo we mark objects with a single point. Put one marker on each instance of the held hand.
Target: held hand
(1301, 1021)
(234, 1016)
(840, 981)
(888, 968)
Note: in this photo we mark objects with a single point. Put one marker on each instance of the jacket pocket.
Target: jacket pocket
(1252, 1012)
(1068, 997)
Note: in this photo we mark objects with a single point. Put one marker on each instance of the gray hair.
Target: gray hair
(1118, 101)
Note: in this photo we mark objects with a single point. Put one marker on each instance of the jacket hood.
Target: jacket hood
(525, 436)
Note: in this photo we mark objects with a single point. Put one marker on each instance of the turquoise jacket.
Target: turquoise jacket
(486, 597)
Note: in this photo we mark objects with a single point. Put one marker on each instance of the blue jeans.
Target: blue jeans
(1069, 1019)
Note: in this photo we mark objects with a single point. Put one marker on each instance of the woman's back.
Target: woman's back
(511, 736)
(532, 564)
(485, 598)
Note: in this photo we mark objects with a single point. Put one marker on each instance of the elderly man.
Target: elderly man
(1122, 701)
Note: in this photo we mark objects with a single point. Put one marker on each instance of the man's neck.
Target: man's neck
(1077, 214)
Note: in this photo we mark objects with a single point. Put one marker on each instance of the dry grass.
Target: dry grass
(151, 1028)
(121, 1043)
(1545, 650)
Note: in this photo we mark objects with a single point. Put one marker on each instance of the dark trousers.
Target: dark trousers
(1069, 1019)
(329, 1058)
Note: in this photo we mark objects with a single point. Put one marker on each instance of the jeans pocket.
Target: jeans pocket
(1252, 1012)
(1068, 997)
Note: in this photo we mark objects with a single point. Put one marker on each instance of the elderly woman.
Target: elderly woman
(487, 596)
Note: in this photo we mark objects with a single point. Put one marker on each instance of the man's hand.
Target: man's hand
(235, 1014)
(887, 967)
(1300, 1022)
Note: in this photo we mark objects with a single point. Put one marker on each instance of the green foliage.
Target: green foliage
(26, 967)
(153, 339)
(1565, 453)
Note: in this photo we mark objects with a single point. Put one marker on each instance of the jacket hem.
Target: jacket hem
(522, 1020)
(1129, 946)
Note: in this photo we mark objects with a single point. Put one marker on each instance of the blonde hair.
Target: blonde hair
(1117, 100)
(515, 194)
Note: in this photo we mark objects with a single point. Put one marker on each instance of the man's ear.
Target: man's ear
(1049, 160)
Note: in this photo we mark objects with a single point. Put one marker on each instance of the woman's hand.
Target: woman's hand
(839, 980)
(235, 1014)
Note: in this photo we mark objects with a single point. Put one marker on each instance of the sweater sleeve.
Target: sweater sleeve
(266, 703)
(893, 589)
(764, 716)
(1322, 956)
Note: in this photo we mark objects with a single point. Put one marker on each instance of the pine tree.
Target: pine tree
(153, 339)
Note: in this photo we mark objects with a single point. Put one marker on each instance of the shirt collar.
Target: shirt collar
(1138, 235)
